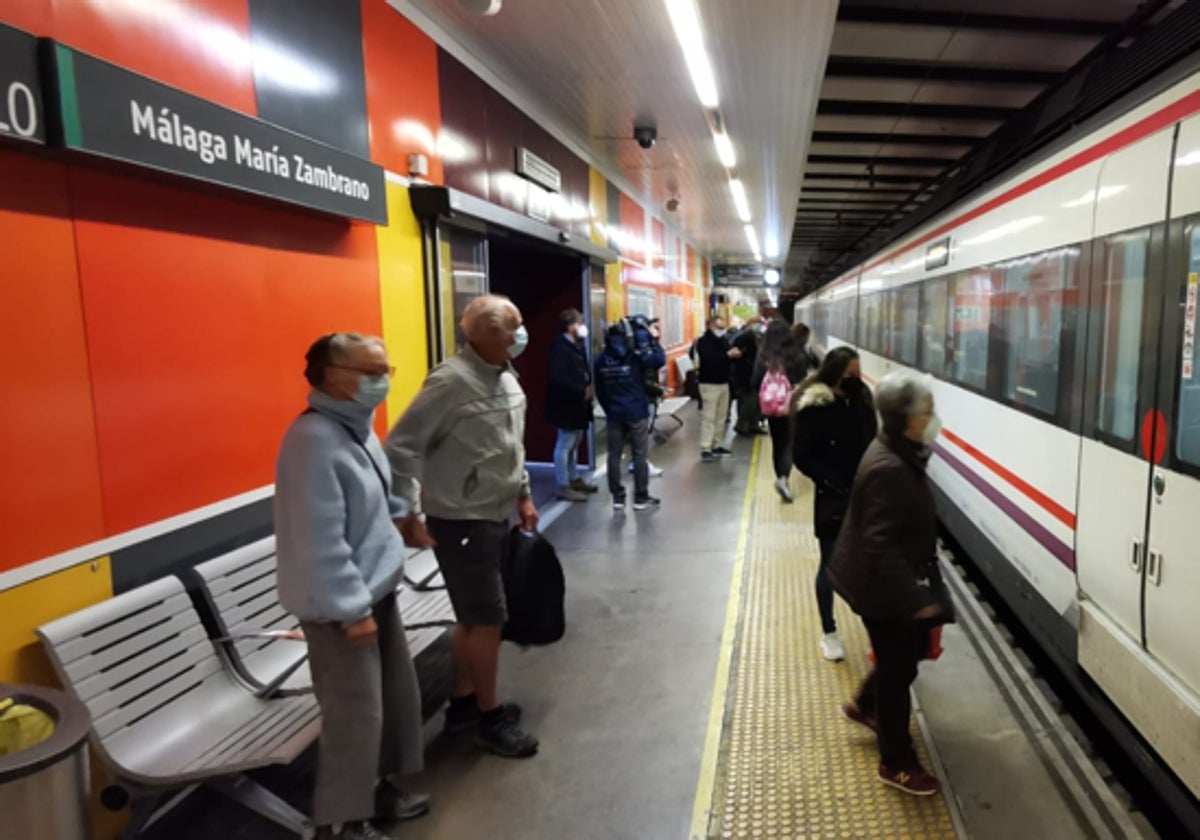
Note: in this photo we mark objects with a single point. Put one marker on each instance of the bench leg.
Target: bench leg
(142, 811)
(424, 584)
(261, 801)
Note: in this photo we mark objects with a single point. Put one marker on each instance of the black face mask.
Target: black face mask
(852, 385)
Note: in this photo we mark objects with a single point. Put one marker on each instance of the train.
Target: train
(1055, 311)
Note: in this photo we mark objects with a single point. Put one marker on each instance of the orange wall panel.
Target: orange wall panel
(48, 461)
(34, 16)
(199, 309)
(403, 107)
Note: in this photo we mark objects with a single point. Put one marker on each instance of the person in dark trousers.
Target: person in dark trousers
(781, 354)
(747, 341)
(621, 388)
(569, 397)
(833, 422)
(885, 567)
(714, 357)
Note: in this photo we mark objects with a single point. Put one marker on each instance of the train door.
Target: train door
(462, 275)
(1114, 471)
(1172, 566)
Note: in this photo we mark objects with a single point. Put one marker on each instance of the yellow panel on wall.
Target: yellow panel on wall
(402, 296)
(598, 205)
(615, 292)
(38, 602)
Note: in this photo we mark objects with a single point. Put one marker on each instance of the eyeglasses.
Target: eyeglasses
(390, 371)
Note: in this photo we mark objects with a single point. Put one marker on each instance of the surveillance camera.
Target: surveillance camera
(672, 204)
(645, 136)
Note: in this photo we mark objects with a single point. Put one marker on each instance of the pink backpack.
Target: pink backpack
(774, 394)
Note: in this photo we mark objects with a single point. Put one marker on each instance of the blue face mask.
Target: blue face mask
(372, 390)
(520, 342)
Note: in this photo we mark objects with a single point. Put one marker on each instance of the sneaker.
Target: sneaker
(395, 804)
(351, 831)
(570, 494)
(785, 492)
(506, 739)
(462, 715)
(706, 456)
(832, 648)
(583, 485)
(619, 503)
(912, 780)
(721, 450)
(654, 471)
(852, 713)
(643, 502)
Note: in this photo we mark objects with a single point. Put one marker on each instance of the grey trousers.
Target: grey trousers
(370, 714)
(638, 435)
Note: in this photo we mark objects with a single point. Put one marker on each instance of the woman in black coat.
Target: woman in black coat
(833, 421)
(784, 350)
(569, 397)
(885, 567)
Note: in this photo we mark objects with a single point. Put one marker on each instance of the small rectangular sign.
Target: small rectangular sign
(21, 111)
(937, 254)
(109, 111)
(533, 168)
(1189, 325)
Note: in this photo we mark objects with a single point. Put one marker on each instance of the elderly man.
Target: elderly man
(715, 358)
(459, 452)
(340, 558)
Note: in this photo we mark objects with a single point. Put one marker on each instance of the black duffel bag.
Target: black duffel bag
(534, 588)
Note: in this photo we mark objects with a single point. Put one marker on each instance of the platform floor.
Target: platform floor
(689, 699)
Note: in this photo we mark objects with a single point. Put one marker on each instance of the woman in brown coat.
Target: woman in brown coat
(884, 566)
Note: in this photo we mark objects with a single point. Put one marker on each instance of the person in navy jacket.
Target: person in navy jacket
(569, 397)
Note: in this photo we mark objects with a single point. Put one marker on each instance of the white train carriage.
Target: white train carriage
(1057, 311)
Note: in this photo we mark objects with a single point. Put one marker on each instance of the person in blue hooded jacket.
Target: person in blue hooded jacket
(620, 382)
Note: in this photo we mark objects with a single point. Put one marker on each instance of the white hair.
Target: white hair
(898, 395)
(493, 309)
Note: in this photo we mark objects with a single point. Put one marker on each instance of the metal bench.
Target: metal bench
(166, 711)
(670, 408)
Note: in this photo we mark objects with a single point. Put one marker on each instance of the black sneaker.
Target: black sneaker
(395, 804)
(707, 456)
(721, 450)
(583, 485)
(618, 503)
(643, 502)
(506, 739)
(462, 714)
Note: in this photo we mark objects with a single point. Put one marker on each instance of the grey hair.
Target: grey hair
(493, 308)
(898, 395)
(331, 347)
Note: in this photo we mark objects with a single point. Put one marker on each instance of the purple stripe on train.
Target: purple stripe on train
(1035, 529)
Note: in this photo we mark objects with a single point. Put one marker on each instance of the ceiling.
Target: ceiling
(589, 70)
(910, 88)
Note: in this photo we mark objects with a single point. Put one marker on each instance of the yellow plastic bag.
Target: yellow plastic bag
(21, 726)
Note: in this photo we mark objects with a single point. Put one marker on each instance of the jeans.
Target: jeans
(781, 445)
(899, 647)
(714, 415)
(566, 456)
(639, 436)
(824, 589)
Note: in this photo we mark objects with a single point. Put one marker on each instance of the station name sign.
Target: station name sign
(116, 114)
(21, 109)
(539, 171)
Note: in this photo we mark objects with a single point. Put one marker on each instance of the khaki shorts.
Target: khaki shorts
(468, 553)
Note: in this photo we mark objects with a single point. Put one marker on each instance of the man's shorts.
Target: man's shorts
(468, 552)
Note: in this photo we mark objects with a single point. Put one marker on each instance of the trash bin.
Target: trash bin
(44, 787)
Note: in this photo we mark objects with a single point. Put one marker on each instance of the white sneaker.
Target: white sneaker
(832, 648)
(785, 492)
(655, 472)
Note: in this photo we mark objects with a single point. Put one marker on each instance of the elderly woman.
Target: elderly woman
(882, 565)
(340, 557)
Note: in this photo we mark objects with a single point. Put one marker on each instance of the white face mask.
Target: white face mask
(720, 333)
(931, 430)
(372, 390)
(581, 331)
(520, 342)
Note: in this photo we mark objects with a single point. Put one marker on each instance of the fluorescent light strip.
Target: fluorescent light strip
(686, 21)
(739, 198)
(725, 149)
(752, 238)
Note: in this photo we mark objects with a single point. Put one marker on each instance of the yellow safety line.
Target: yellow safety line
(701, 810)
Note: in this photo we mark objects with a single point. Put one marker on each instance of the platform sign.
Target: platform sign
(1189, 325)
(21, 112)
(111, 112)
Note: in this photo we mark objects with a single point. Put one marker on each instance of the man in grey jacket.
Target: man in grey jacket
(340, 558)
(458, 453)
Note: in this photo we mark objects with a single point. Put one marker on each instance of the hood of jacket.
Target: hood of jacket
(817, 394)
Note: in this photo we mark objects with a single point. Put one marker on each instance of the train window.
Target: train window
(872, 322)
(1121, 301)
(1188, 444)
(906, 316)
(887, 316)
(935, 311)
(972, 314)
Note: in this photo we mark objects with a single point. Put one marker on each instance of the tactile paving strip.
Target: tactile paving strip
(790, 766)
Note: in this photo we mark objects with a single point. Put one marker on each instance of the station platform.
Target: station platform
(689, 697)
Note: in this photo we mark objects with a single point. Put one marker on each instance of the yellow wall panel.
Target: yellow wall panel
(402, 296)
(615, 292)
(598, 205)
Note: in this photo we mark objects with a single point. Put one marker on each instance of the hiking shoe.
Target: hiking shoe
(570, 494)
(618, 503)
(912, 780)
(643, 502)
(832, 648)
(462, 715)
(854, 714)
(351, 831)
(722, 451)
(506, 739)
(785, 492)
(583, 485)
(706, 455)
(393, 803)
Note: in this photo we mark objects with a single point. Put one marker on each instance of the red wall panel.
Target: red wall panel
(199, 309)
(403, 111)
(49, 469)
(633, 225)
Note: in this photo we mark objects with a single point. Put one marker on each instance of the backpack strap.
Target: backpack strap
(362, 444)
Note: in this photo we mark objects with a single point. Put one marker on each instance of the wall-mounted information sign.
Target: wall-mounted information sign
(21, 115)
(937, 254)
(533, 168)
(112, 112)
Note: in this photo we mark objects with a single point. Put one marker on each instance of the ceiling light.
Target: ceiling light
(752, 238)
(772, 248)
(725, 149)
(771, 277)
(686, 21)
(739, 199)
(481, 7)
